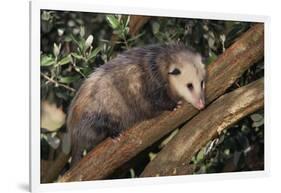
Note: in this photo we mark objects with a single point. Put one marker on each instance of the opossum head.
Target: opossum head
(187, 78)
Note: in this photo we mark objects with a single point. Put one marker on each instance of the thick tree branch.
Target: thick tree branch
(136, 23)
(174, 158)
(109, 155)
(52, 171)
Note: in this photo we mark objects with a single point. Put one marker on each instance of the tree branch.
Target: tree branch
(109, 155)
(57, 83)
(136, 23)
(52, 171)
(174, 158)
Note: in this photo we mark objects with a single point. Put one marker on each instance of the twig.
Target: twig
(57, 83)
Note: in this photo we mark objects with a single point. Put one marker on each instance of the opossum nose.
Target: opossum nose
(200, 104)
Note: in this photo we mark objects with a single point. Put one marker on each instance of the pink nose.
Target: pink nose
(200, 104)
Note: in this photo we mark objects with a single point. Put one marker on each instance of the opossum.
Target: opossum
(136, 85)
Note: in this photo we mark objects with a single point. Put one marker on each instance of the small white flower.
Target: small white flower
(56, 49)
(60, 32)
(89, 41)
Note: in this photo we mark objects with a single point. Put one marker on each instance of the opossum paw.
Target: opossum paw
(117, 138)
(179, 105)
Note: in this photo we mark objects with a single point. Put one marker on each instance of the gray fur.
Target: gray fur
(126, 90)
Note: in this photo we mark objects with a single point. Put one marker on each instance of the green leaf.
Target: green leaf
(65, 60)
(200, 154)
(47, 60)
(126, 30)
(67, 38)
(256, 117)
(82, 31)
(68, 79)
(226, 152)
(46, 16)
(212, 57)
(94, 53)
(75, 55)
(132, 173)
(155, 27)
(86, 71)
(79, 44)
(136, 37)
(127, 20)
(114, 23)
(258, 123)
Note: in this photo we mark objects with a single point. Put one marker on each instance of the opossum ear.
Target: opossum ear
(175, 71)
(199, 61)
(198, 58)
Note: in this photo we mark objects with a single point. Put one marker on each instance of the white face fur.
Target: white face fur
(187, 79)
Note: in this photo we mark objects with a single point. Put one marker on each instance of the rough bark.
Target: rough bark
(174, 158)
(51, 172)
(109, 155)
(136, 23)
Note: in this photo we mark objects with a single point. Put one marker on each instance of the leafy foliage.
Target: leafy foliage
(240, 148)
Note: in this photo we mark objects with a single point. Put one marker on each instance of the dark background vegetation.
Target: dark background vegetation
(73, 44)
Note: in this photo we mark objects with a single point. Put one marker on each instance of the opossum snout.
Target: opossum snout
(200, 104)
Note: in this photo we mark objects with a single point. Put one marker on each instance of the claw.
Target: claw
(117, 139)
(179, 105)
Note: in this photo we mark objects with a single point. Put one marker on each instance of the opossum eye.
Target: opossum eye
(175, 72)
(190, 86)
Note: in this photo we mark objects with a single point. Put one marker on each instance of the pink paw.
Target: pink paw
(179, 105)
(117, 139)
